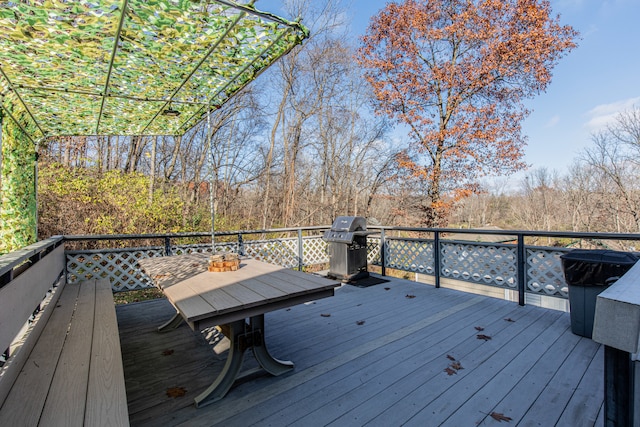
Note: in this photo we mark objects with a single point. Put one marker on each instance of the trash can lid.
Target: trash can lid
(601, 256)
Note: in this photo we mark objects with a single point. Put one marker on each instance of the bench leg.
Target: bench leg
(171, 324)
(242, 336)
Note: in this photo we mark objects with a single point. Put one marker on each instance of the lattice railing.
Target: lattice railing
(410, 255)
(490, 264)
(373, 251)
(282, 252)
(544, 272)
(121, 265)
(315, 251)
(484, 263)
(189, 249)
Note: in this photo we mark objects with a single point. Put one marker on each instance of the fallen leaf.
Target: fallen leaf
(176, 392)
(360, 322)
(456, 365)
(325, 315)
(499, 417)
(483, 337)
(479, 328)
(450, 371)
(410, 296)
(167, 352)
(450, 357)
(509, 319)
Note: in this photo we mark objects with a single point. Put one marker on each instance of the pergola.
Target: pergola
(130, 67)
(117, 67)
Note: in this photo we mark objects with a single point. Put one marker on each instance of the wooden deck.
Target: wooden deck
(376, 356)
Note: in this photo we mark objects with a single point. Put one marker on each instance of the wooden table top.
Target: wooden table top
(206, 298)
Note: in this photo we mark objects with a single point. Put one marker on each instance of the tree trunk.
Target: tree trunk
(290, 172)
(269, 163)
(174, 157)
(132, 155)
(152, 172)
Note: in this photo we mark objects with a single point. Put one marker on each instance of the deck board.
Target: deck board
(388, 370)
(537, 377)
(343, 385)
(369, 377)
(584, 407)
(550, 405)
(437, 395)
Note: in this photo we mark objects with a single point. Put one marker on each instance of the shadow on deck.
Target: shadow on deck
(391, 354)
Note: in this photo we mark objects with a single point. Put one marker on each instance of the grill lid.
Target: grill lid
(349, 223)
(344, 228)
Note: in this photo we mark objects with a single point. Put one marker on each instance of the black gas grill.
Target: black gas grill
(347, 245)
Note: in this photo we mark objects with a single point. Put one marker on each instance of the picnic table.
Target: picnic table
(235, 301)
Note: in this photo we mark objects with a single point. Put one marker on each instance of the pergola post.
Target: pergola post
(18, 205)
(1, 116)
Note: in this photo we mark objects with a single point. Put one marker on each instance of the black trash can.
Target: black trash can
(589, 272)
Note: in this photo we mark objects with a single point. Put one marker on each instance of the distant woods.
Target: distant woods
(599, 192)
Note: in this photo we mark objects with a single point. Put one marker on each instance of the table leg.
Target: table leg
(242, 336)
(267, 362)
(171, 324)
(227, 377)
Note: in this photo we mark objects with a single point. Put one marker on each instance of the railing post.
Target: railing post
(521, 264)
(240, 245)
(167, 246)
(436, 258)
(300, 251)
(383, 257)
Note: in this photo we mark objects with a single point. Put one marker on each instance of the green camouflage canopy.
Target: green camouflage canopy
(130, 67)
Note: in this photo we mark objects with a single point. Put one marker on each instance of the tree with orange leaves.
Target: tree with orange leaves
(456, 72)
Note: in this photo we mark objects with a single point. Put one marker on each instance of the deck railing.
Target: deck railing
(511, 264)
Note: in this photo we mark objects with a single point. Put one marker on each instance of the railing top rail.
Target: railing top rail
(11, 260)
(526, 233)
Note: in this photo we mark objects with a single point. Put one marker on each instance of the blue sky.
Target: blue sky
(593, 82)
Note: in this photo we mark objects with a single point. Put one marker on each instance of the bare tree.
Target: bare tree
(616, 155)
(300, 93)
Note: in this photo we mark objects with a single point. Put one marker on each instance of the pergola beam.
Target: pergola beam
(116, 42)
(235, 77)
(111, 67)
(26, 108)
(198, 65)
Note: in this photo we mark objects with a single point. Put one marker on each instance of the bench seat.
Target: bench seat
(73, 375)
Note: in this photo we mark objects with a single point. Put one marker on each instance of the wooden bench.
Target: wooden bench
(68, 368)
